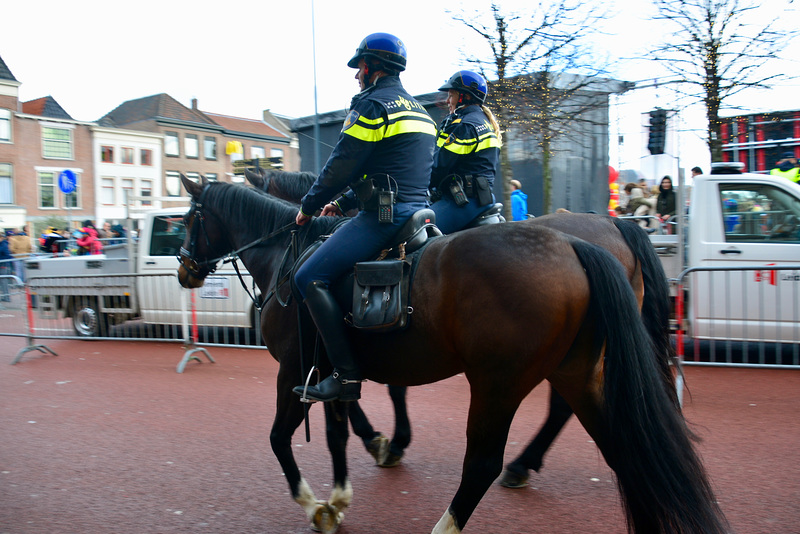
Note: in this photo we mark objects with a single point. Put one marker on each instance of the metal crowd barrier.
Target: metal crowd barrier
(133, 307)
(739, 316)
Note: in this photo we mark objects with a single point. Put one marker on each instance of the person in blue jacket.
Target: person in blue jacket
(519, 202)
(467, 154)
(386, 144)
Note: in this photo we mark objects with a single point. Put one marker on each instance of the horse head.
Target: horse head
(205, 243)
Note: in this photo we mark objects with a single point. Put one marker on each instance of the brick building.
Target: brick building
(140, 148)
(201, 143)
(39, 141)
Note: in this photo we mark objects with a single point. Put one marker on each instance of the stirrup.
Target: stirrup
(304, 396)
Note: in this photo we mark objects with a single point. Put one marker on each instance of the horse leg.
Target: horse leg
(487, 431)
(375, 442)
(402, 427)
(516, 473)
(329, 515)
(289, 414)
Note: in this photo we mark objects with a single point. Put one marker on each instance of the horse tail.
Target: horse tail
(656, 305)
(644, 438)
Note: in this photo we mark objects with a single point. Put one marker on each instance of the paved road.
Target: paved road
(107, 437)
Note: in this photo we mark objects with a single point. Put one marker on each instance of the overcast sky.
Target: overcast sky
(238, 58)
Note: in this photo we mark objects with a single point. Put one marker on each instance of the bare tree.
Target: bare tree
(528, 58)
(716, 51)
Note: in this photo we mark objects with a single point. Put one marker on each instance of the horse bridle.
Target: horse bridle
(200, 269)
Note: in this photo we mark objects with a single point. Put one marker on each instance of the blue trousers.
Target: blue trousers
(452, 218)
(360, 239)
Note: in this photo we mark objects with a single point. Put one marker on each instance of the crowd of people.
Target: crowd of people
(655, 206)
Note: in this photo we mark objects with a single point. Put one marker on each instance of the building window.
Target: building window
(211, 176)
(127, 156)
(47, 190)
(146, 156)
(127, 190)
(276, 157)
(107, 154)
(6, 184)
(210, 148)
(257, 152)
(107, 192)
(146, 190)
(191, 146)
(71, 199)
(173, 184)
(171, 145)
(193, 176)
(5, 125)
(56, 143)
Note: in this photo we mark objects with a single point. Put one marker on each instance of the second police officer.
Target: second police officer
(467, 154)
(384, 153)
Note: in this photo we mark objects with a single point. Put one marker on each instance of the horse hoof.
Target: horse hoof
(379, 448)
(512, 480)
(326, 519)
(392, 460)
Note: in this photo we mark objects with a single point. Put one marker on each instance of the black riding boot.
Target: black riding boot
(345, 382)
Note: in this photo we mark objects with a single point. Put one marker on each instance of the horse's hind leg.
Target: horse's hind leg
(402, 427)
(487, 431)
(375, 442)
(516, 473)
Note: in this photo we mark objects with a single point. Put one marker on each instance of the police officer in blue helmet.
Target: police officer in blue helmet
(467, 154)
(384, 154)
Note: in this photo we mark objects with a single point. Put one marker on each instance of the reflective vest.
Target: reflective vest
(792, 174)
(386, 131)
(466, 144)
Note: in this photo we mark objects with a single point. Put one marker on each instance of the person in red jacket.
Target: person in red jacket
(89, 241)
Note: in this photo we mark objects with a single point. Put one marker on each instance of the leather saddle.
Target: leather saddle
(375, 295)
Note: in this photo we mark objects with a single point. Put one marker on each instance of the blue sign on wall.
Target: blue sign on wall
(67, 181)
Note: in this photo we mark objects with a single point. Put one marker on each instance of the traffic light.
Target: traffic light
(658, 131)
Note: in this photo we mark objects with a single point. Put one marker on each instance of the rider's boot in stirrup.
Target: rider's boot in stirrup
(345, 382)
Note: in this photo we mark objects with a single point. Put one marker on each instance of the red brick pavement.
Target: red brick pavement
(107, 437)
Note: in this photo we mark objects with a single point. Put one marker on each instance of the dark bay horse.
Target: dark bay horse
(562, 310)
(624, 239)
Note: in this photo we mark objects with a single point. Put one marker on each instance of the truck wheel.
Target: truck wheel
(87, 320)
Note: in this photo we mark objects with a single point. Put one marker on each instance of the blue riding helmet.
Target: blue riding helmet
(467, 81)
(383, 46)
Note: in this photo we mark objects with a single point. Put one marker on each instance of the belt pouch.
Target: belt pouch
(483, 190)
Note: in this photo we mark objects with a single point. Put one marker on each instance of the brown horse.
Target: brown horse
(566, 313)
(624, 239)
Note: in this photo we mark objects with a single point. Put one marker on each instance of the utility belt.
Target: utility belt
(461, 189)
(377, 192)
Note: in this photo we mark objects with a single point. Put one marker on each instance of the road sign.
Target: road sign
(67, 181)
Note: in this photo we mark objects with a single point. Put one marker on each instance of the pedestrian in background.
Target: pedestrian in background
(519, 202)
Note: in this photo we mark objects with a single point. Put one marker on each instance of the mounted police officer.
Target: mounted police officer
(467, 154)
(384, 154)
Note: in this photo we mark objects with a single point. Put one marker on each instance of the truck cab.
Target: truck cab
(739, 221)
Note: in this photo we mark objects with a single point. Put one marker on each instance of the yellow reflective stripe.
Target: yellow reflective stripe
(373, 130)
(370, 135)
(488, 140)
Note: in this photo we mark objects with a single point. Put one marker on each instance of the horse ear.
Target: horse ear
(254, 178)
(203, 180)
(192, 188)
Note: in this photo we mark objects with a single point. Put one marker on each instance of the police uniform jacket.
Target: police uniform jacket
(466, 145)
(386, 131)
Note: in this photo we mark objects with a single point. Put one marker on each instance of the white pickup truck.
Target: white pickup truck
(740, 222)
(137, 280)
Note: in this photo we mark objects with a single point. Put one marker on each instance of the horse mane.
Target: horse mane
(263, 213)
(290, 185)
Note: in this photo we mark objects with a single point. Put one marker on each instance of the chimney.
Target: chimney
(194, 104)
